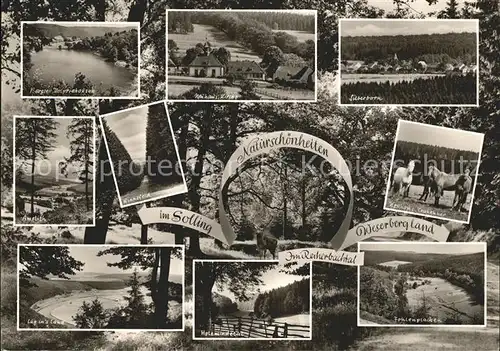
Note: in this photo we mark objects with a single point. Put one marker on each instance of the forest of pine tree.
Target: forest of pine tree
(454, 90)
(448, 160)
(252, 32)
(35, 137)
(211, 131)
(160, 148)
(430, 48)
(128, 173)
(287, 300)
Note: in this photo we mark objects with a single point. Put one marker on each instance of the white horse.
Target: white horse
(402, 179)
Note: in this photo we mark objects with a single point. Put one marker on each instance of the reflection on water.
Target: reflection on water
(52, 64)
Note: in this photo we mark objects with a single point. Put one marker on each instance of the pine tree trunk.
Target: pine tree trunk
(194, 244)
(87, 200)
(33, 157)
(182, 147)
(100, 10)
(154, 277)
(204, 320)
(303, 200)
(137, 11)
(144, 234)
(285, 208)
(161, 308)
(97, 234)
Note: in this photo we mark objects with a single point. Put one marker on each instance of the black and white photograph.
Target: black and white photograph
(142, 148)
(80, 60)
(434, 171)
(220, 55)
(54, 171)
(248, 299)
(409, 62)
(100, 287)
(422, 284)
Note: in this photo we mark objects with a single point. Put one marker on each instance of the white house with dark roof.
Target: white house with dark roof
(206, 66)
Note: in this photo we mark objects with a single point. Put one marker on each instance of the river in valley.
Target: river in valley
(445, 299)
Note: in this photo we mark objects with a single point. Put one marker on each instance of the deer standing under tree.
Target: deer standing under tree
(266, 241)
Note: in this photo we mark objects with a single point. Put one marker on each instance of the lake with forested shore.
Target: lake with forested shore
(52, 64)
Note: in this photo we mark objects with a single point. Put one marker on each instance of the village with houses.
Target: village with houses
(283, 71)
(408, 62)
(393, 65)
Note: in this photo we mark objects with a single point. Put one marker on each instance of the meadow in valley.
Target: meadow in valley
(208, 57)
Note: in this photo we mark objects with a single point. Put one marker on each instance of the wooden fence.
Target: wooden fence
(249, 327)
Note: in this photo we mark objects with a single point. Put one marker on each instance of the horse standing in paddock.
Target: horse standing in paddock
(401, 181)
(441, 181)
(429, 186)
(462, 188)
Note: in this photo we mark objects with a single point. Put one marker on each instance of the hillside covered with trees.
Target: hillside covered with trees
(113, 45)
(210, 130)
(431, 48)
(466, 271)
(286, 300)
(252, 31)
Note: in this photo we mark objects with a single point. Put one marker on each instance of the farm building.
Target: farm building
(172, 67)
(58, 38)
(285, 72)
(448, 67)
(248, 69)
(354, 67)
(206, 66)
(303, 76)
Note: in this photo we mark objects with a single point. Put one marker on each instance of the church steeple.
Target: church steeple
(207, 46)
(396, 57)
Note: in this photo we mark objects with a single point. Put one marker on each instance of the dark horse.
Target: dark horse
(440, 181)
(428, 185)
(462, 188)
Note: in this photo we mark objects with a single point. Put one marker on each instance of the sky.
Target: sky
(272, 279)
(418, 5)
(125, 25)
(96, 264)
(376, 27)
(425, 247)
(446, 137)
(130, 127)
(60, 151)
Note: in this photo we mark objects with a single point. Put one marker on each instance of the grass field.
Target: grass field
(202, 33)
(347, 78)
(413, 204)
(300, 35)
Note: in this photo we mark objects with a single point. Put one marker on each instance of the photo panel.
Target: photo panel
(100, 287)
(244, 55)
(433, 171)
(422, 284)
(251, 300)
(408, 62)
(141, 146)
(98, 60)
(54, 171)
